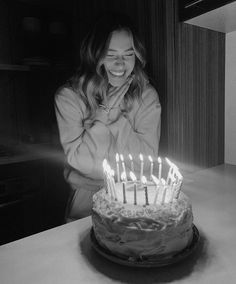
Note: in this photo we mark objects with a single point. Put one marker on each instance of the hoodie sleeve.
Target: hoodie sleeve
(85, 148)
(139, 131)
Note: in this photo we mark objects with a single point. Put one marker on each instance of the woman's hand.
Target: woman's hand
(110, 108)
(116, 94)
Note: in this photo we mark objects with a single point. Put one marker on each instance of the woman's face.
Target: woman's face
(120, 58)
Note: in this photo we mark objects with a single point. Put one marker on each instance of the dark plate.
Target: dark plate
(158, 262)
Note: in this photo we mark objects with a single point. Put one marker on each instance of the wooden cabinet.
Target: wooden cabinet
(33, 196)
(189, 9)
(36, 57)
(21, 194)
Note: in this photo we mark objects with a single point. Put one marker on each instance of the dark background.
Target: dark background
(39, 44)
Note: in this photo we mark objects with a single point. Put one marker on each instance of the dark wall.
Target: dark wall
(194, 123)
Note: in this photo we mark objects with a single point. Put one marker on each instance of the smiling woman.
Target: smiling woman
(107, 107)
(120, 59)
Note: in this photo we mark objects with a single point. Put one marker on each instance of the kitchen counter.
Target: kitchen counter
(30, 152)
(64, 254)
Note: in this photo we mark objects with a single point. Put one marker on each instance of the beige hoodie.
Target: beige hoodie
(86, 146)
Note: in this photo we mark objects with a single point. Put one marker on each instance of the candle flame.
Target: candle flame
(121, 157)
(179, 175)
(144, 180)
(163, 181)
(130, 156)
(169, 162)
(159, 160)
(150, 159)
(123, 176)
(104, 163)
(141, 157)
(155, 180)
(132, 176)
(108, 168)
(117, 157)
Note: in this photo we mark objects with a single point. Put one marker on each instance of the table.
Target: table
(64, 254)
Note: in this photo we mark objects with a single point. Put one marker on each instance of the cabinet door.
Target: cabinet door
(20, 217)
(21, 200)
(189, 9)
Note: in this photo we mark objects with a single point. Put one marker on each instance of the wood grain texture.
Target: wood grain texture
(195, 92)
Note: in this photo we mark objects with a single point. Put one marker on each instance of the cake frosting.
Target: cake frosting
(157, 227)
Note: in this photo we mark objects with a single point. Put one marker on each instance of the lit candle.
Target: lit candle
(131, 163)
(123, 178)
(134, 179)
(123, 165)
(173, 190)
(160, 167)
(144, 182)
(141, 165)
(113, 183)
(180, 180)
(151, 166)
(172, 168)
(104, 164)
(110, 186)
(157, 183)
(164, 194)
(118, 167)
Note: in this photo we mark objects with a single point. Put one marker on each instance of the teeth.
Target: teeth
(119, 74)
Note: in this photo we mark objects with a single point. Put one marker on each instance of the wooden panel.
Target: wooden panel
(191, 8)
(195, 92)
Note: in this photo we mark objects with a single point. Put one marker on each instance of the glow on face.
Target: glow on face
(120, 58)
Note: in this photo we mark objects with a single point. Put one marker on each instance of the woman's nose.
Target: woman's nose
(119, 60)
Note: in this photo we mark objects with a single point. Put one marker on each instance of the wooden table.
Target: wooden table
(64, 254)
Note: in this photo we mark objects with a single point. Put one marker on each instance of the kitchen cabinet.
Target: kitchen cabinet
(33, 195)
(21, 194)
(35, 59)
(189, 9)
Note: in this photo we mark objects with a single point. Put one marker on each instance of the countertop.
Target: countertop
(64, 254)
(10, 154)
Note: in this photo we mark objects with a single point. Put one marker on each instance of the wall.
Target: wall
(195, 92)
(230, 99)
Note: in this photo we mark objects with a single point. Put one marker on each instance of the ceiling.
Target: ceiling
(222, 19)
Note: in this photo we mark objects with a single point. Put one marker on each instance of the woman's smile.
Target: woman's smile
(120, 58)
(117, 73)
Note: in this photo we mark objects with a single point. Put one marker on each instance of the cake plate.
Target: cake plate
(155, 261)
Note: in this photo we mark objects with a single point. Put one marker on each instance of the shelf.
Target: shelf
(13, 67)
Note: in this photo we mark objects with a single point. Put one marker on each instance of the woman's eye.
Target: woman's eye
(111, 56)
(129, 55)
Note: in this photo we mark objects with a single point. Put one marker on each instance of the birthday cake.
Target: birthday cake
(142, 220)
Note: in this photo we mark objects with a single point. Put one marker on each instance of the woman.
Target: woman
(108, 107)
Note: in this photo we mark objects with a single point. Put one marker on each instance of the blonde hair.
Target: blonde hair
(90, 81)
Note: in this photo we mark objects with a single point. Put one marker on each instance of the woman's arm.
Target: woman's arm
(139, 131)
(85, 149)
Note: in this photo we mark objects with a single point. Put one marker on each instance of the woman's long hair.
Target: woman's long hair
(90, 80)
